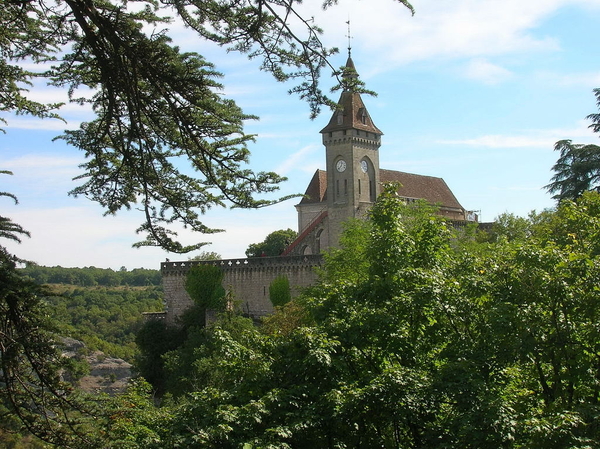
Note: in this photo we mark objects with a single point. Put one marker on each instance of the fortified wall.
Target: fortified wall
(247, 280)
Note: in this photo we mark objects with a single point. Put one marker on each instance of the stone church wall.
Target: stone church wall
(248, 281)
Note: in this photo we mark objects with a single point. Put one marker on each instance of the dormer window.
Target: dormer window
(340, 118)
(363, 116)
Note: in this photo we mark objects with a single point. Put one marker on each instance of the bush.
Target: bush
(279, 291)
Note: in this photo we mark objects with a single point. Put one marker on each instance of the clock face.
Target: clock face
(364, 166)
(341, 165)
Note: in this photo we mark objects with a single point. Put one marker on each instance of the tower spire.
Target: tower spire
(349, 36)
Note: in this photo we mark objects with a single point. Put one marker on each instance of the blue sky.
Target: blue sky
(474, 91)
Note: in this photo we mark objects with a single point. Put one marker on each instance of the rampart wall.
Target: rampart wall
(247, 280)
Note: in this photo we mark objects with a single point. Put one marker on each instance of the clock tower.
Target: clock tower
(352, 143)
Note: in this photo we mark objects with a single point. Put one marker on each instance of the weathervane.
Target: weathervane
(349, 36)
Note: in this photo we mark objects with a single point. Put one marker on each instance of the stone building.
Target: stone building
(352, 179)
(347, 188)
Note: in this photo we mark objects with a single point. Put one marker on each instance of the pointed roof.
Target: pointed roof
(352, 113)
(316, 192)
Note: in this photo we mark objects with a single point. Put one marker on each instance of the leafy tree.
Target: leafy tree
(273, 245)
(279, 291)
(350, 263)
(206, 255)
(510, 227)
(227, 354)
(9, 229)
(163, 140)
(203, 284)
(577, 170)
(154, 340)
(155, 104)
(436, 346)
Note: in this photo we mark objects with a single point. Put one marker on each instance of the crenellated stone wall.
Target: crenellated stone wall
(247, 280)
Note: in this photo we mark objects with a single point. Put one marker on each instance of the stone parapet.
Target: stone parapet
(246, 280)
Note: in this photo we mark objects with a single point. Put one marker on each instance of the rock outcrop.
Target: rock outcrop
(106, 374)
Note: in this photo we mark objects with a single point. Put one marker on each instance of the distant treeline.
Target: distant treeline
(104, 318)
(92, 276)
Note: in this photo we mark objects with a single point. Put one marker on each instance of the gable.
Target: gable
(316, 192)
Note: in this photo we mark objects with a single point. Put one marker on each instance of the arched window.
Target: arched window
(318, 241)
(367, 173)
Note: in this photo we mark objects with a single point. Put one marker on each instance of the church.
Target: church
(347, 188)
(352, 179)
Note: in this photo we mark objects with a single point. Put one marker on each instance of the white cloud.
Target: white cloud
(80, 235)
(500, 141)
(486, 72)
(579, 133)
(571, 79)
(43, 166)
(297, 159)
(448, 30)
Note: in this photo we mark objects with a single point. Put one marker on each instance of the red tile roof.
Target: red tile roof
(433, 190)
(316, 192)
(354, 115)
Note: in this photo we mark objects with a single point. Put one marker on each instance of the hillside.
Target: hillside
(100, 307)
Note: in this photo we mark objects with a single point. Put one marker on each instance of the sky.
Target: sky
(476, 92)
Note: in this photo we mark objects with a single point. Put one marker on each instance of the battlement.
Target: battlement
(171, 268)
(247, 280)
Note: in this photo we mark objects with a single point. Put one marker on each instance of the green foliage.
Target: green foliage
(348, 264)
(206, 255)
(130, 420)
(154, 104)
(154, 339)
(510, 227)
(433, 345)
(92, 276)
(227, 354)
(31, 366)
(105, 319)
(287, 318)
(273, 245)
(204, 285)
(577, 170)
(279, 291)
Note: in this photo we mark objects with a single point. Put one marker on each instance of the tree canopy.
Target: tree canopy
(577, 170)
(273, 245)
(163, 140)
(441, 341)
(157, 107)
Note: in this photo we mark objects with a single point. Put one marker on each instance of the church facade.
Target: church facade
(347, 188)
(352, 180)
